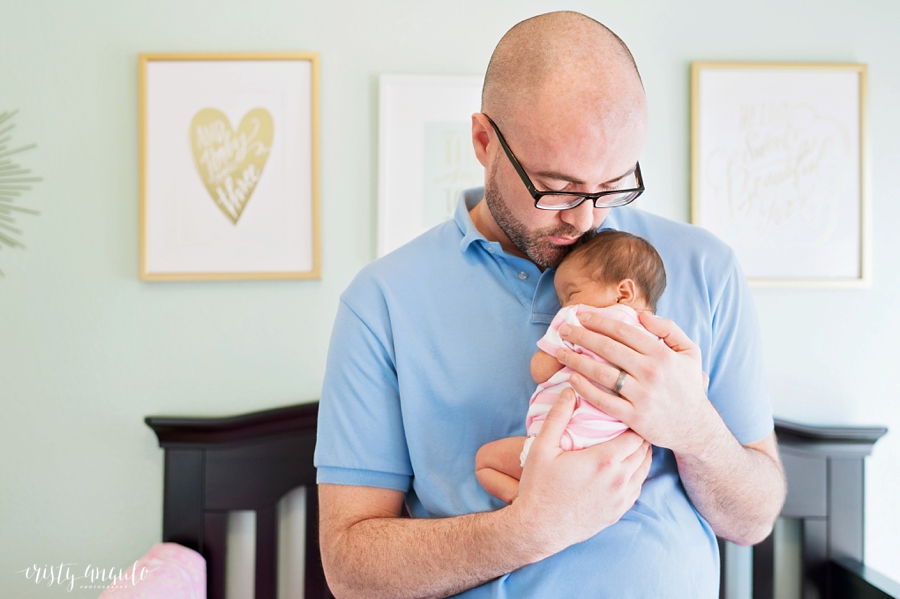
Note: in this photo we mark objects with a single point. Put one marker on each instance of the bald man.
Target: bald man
(429, 361)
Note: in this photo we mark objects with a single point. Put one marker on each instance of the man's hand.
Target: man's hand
(565, 497)
(663, 395)
(739, 489)
(569, 496)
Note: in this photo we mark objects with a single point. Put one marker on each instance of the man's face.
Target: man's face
(544, 236)
(560, 157)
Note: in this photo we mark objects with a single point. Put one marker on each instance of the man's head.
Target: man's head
(566, 93)
(611, 267)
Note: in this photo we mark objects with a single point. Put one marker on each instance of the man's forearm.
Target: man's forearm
(565, 497)
(403, 557)
(739, 489)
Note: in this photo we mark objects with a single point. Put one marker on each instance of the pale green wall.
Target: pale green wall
(86, 351)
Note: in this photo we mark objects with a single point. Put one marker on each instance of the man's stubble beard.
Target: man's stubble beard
(533, 244)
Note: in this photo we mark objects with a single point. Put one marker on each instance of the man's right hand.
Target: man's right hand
(566, 497)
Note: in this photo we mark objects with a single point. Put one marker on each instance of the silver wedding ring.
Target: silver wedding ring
(619, 382)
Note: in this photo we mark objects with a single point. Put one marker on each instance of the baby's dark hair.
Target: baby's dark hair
(612, 256)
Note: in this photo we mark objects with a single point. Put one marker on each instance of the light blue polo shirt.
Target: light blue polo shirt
(429, 360)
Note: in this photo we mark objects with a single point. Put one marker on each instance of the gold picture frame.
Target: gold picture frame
(780, 169)
(229, 166)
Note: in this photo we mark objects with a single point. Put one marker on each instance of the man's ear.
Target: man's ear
(626, 292)
(481, 138)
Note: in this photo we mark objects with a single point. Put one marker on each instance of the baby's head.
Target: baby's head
(611, 267)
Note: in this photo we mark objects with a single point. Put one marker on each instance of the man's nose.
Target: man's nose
(581, 217)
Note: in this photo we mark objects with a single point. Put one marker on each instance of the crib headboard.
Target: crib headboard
(249, 462)
(825, 472)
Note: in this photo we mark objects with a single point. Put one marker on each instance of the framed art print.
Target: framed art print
(425, 154)
(779, 169)
(229, 166)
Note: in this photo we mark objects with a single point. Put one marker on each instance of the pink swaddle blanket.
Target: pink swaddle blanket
(167, 571)
(588, 426)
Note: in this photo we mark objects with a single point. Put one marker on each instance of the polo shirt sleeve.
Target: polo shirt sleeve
(738, 386)
(361, 441)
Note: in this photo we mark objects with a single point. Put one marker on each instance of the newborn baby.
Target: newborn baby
(614, 274)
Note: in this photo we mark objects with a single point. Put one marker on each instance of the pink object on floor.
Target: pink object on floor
(167, 571)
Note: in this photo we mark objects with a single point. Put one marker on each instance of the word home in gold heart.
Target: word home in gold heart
(230, 163)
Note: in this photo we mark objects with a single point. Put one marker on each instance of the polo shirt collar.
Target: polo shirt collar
(468, 199)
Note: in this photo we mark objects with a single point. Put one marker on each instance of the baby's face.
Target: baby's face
(574, 287)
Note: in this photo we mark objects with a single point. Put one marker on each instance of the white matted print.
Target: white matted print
(229, 166)
(779, 169)
(425, 155)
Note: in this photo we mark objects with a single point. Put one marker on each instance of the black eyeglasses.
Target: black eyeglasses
(564, 200)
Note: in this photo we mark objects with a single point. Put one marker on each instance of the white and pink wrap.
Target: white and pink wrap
(589, 425)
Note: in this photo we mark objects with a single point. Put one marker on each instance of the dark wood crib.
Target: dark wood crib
(249, 462)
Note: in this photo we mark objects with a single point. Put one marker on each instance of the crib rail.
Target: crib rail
(217, 465)
(825, 469)
(249, 462)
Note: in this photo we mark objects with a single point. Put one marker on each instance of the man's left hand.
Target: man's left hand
(663, 394)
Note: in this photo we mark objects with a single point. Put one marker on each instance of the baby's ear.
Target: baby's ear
(626, 292)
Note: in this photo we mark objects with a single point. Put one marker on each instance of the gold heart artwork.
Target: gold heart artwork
(231, 162)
